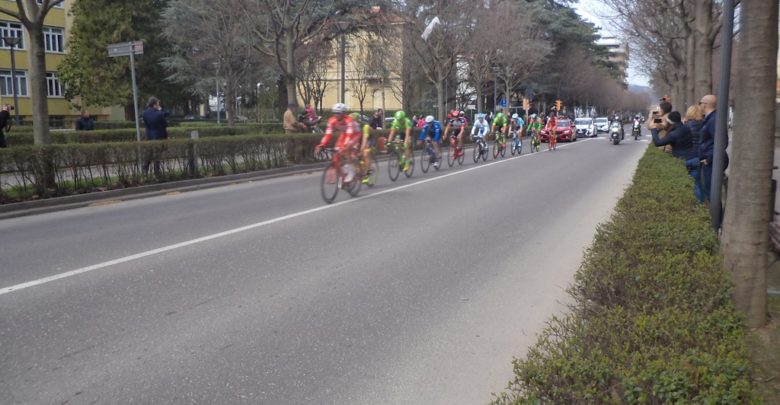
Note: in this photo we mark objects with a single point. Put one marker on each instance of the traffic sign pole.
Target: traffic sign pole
(135, 98)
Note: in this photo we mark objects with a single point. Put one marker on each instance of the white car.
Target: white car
(585, 127)
(602, 124)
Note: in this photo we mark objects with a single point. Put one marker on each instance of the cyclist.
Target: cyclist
(348, 137)
(518, 124)
(402, 123)
(552, 123)
(458, 124)
(480, 128)
(432, 130)
(500, 125)
(365, 145)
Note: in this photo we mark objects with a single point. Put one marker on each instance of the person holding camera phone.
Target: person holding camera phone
(5, 124)
(658, 118)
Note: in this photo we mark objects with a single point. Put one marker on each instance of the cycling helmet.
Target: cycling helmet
(339, 108)
(355, 116)
(514, 116)
(462, 113)
(480, 116)
(429, 119)
(499, 115)
(399, 115)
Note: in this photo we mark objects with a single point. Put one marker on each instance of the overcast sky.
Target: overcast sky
(595, 12)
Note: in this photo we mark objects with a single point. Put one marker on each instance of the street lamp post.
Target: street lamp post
(12, 41)
(257, 100)
(343, 26)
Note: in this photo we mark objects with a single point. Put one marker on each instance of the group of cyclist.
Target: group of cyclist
(354, 137)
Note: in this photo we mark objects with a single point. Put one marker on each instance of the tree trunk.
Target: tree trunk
(478, 89)
(230, 101)
(703, 72)
(691, 63)
(440, 97)
(39, 94)
(289, 75)
(745, 240)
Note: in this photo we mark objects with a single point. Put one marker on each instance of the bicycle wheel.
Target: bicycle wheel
(425, 158)
(394, 165)
(452, 153)
(330, 183)
(496, 146)
(476, 152)
(353, 188)
(513, 148)
(409, 172)
(485, 150)
(502, 149)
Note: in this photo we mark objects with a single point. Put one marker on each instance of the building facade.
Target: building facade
(618, 53)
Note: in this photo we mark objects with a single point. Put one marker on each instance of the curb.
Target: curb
(55, 204)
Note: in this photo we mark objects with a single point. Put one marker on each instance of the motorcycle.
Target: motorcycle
(616, 132)
(636, 130)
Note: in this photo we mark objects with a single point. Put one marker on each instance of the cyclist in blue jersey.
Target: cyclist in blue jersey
(432, 129)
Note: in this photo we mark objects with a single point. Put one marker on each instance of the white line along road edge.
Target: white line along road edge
(141, 255)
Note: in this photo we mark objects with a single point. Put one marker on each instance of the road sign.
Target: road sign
(130, 49)
(126, 49)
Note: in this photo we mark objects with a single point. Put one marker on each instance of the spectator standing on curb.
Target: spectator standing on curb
(156, 129)
(706, 148)
(658, 120)
(376, 120)
(85, 123)
(677, 135)
(5, 122)
(693, 120)
(289, 122)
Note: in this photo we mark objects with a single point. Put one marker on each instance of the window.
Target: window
(6, 87)
(53, 38)
(9, 29)
(53, 86)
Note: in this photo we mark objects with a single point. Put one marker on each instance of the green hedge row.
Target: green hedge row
(53, 170)
(18, 138)
(653, 320)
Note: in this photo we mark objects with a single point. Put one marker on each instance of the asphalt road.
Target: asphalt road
(418, 291)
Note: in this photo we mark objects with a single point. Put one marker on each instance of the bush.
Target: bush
(17, 138)
(652, 320)
(79, 168)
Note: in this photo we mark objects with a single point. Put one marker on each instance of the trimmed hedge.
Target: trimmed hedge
(80, 168)
(653, 320)
(18, 138)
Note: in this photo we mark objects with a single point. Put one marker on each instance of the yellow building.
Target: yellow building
(56, 28)
(361, 53)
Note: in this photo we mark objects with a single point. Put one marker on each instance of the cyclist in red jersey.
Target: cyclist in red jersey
(348, 137)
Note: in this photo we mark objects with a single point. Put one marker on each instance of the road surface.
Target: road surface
(416, 292)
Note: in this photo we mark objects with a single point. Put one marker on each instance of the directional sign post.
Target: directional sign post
(130, 49)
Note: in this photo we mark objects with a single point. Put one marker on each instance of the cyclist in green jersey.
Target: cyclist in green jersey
(500, 124)
(402, 123)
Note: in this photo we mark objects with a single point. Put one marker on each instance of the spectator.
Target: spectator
(377, 121)
(156, 129)
(289, 123)
(85, 123)
(707, 143)
(693, 120)
(677, 135)
(658, 119)
(5, 124)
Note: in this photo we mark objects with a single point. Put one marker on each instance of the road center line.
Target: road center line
(141, 255)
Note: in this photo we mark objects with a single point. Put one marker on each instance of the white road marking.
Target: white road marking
(141, 255)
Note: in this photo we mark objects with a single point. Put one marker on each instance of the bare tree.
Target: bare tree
(312, 72)
(745, 232)
(211, 44)
(32, 15)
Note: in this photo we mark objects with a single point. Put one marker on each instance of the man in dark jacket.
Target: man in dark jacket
(154, 120)
(85, 123)
(678, 136)
(155, 123)
(707, 142)
(377, 120)
(5, 120)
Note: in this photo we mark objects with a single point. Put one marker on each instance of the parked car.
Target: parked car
(602, 124)
(585, 127)
(565, 131)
